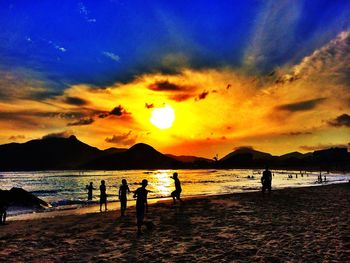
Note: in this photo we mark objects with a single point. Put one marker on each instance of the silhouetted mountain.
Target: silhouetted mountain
(247, 150)
(189, 159)
(139, 156)
(46, 154)
(333, 158)
(296, 155)
(246, 157)
(327, 159)
(192, 161)
(70, 153)
(113, 150)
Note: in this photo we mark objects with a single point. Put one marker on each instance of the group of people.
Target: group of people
(140, 194)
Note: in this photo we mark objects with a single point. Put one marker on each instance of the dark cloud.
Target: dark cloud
(7, 115)
(122, 139)
(63, 134)
(297, 133)
(202, 95)
(149, 106)
(180, 97)
(168, 86)
(180, 92)
(75, 101)
(102, 115)
(287, 79)
(17, 137)
(341, 120)
(71, 115)
(243, 147)
(118, 111)
(323, 146)
(301, 105)
(82, 121)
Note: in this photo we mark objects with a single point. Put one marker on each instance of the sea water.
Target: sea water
(68, 188)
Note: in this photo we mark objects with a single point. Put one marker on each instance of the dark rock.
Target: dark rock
(20, 197)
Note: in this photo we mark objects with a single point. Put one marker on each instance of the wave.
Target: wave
(65, 202)
(45, 192)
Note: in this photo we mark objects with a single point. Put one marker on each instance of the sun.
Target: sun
(163, 118)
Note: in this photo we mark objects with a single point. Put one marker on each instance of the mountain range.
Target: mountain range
(56, 153)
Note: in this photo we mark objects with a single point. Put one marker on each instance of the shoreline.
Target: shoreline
(114, 206)
(310, 224)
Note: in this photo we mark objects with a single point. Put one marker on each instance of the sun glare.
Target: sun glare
(163, 118)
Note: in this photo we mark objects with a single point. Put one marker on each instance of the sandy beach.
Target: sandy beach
(302, 224)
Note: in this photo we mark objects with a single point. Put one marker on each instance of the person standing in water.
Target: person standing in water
(176, 194)
(90, 187)
(123, 191)
(141, 204)
(103, 195)
(266, 180)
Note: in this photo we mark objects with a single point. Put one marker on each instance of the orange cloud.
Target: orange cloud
(256, 108)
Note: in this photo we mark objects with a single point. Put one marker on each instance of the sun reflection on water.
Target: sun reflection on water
(162, 182)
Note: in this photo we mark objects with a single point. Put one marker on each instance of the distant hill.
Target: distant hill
(189, 158)
(245, 157)
(327, 159)
(296, 155)
(70, 153)
(139, 156)
(247, 150)
(113, 150)
(46, 154)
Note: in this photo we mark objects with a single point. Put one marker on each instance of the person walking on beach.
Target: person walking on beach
(141, 204)
(90, 187)
(266, 180)
(176, 194)
(123, 191)
(103, 195)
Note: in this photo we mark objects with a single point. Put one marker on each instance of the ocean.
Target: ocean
(68, 188)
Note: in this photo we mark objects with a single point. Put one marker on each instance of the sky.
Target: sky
(272, 75)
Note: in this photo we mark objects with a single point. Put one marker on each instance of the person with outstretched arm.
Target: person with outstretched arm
(123, 191)
(176, 194)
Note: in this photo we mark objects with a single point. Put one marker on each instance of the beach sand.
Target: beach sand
(302, 224)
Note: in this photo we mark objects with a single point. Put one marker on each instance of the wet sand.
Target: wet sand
(298, 224)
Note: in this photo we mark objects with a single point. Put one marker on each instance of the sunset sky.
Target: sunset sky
(273, 75)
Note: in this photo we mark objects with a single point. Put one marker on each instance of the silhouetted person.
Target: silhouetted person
(90, 187)
(266, 180)
(123, 191)
(176, 194)
(141, 204)
(103, 195)
(3, 213)
(320, 178)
